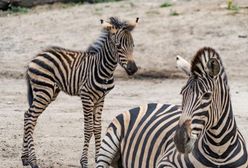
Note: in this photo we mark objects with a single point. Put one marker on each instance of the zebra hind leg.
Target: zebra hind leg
(39, 104)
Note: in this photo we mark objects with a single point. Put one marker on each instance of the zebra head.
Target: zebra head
(201, 95)
(120, 33)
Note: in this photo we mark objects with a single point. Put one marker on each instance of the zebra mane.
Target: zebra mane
(96, 46)
(117, 22)
(200, 60)
(58, 49)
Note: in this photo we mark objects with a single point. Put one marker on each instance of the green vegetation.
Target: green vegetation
(229, 4)
(233, 7)
(173, 13)
(96, 1)
(153, 12)
(89, 1)
(98, 11)
(18, 9)
(70, 4)
(11, 9)
(165, 5)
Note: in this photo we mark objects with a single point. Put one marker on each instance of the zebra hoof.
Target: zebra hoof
(34, 165)
(83, 165)
(25, 162)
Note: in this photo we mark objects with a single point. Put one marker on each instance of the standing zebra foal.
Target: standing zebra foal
(88, 74)
(200, 133)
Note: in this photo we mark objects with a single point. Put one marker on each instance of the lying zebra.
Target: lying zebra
(203, 134)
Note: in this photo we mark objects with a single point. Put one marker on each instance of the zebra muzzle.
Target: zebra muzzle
(131, 68)
(183, 139)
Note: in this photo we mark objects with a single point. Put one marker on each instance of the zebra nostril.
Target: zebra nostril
(177, 58)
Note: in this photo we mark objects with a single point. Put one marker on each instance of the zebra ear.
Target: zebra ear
(183, 65)
(213, 66)
(109, 27)
(131, 25)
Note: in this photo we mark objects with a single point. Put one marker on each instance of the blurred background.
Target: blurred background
(166, 28)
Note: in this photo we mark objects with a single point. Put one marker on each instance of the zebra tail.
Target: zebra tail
(29, 91)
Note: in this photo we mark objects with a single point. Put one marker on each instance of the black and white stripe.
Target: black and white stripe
(200, 133)
(88, 74)
(137, 137)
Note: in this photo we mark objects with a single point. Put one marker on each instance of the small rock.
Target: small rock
(242, 36)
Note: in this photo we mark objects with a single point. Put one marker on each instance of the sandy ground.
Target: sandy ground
(158, 38)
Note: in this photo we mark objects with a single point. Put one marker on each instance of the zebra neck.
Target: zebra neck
(222, 137)
(108, 58)
(105, 52)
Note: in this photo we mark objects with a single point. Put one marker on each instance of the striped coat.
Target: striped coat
(200, 133)
(88, 74)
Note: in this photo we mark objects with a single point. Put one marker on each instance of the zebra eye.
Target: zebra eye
(206, 95)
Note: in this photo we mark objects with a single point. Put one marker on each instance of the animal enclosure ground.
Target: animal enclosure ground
(159, 37)
(59, 132)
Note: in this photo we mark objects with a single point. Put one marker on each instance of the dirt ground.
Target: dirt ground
(159, 37)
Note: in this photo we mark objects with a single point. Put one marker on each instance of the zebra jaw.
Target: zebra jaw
(184, 139)
(189, 146)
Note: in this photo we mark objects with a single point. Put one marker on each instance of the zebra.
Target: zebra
(201, 132)
(87, 74)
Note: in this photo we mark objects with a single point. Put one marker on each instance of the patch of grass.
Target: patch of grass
(75, 1)
(233, 7)
(69, 4)
(132, 4)
(98, 11)
(153, 12)
(229, 4)
(165, 5)
(174, 13)
(18, 9)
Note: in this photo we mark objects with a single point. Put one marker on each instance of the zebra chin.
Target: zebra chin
(184, 139)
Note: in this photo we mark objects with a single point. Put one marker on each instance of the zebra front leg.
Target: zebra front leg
(109, 153)
(98, 125)
(88, 108)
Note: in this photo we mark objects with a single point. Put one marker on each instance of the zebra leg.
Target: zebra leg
(98, 125)
(39, 104)
(28, 155)
(88, 107)
(25, 150)
(109, 153)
